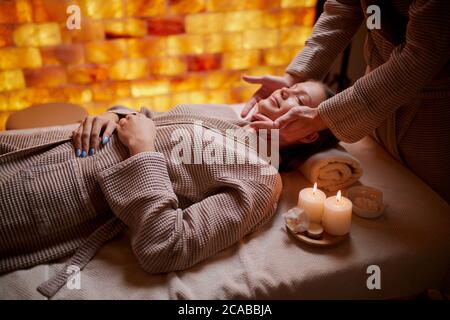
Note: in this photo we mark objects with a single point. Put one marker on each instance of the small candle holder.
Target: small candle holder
(367, 201)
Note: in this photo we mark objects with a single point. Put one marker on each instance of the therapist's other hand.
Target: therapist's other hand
(137, 132)
(268, 85)
(299, 125)
(86, 137)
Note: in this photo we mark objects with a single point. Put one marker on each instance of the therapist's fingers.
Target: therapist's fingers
(250, 105)
(286, 119)
(253, 79)
(260, 117)
(85, 136)
(262, 125)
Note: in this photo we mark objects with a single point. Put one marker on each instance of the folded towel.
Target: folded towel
(333, 169)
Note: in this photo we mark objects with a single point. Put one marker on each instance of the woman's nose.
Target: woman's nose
(284, 93)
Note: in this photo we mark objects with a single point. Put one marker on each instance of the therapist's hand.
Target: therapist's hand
(298, 124)
(268, 85)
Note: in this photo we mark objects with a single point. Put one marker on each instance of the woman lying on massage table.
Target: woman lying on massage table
(54, 200)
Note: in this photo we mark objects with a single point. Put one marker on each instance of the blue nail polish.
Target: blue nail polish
(84, 154)
(105, 139)
(91, 151)
(77, 152)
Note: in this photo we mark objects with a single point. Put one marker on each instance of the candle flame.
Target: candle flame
(338, 196)
(315, 187)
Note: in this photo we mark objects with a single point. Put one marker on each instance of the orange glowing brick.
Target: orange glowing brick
(125, 28)
(106, 91)
(185, 44)
(186, 6)
(168, 66)
(4, 105)
(243, 20)
(91, 30)
(278, 56)
(242, 94)
(87, 73)
(240, 60)
(230, 41)
(8, 12)
(161, 103)
(6, 32)
(128, 102)
(3, 117)
(105, 51)
(76, 94)
(306, 16)
(205, 62)
(96, 108)
(297, 3)
(279, 18)
(129, 69)
(165, 26)
(147, 88)
(294, 35)
(205, 23)
(221, 80)
(147, 47)
(63, 54)
(37, 35)
(11, 80)
(199, 97)
(20, 99)
(220, 96)
(51, 10)
(259, 39)
(12, 58)
(145, 8)
(99, 9)
(185, 83)
(226, 5)
(179, 98)
(24, 11)
(52, 76)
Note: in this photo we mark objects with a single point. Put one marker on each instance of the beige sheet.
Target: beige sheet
(410, 243)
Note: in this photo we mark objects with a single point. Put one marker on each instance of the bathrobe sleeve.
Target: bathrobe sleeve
(332, 32)
(363, 107)
(165, 237)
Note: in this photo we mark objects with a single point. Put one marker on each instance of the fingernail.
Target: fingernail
(77, 152)
(84, 154)
(105, 139)
(91, 151)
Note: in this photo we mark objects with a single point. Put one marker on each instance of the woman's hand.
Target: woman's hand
(86, 138)
(137, 132)
(268, 85)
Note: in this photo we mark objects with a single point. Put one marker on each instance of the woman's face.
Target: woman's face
(309, 94)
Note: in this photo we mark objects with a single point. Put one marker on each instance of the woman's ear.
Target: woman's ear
(310, 138)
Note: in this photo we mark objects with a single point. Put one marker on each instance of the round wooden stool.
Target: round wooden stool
(46, 115)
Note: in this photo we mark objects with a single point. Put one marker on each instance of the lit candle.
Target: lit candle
(337, 215)
(311, 200)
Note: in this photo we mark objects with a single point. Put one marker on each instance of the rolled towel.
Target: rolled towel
(332, 169)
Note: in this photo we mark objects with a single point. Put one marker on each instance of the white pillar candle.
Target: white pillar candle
(337, 215)
(311, 200)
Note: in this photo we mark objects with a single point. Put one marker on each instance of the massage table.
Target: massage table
(410, 244)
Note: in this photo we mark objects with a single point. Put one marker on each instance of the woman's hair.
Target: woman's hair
(293, 156)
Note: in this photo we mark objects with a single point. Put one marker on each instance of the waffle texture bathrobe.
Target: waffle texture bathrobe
(404, 99)
(53, 204)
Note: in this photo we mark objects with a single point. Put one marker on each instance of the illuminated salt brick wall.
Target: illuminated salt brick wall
(154, 53)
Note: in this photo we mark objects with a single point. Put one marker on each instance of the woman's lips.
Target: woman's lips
(274, 102)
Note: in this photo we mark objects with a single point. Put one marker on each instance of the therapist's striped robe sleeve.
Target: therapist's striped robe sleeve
(363, 107)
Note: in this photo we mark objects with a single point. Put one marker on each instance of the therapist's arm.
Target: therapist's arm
(332, 33)
(360, 109)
